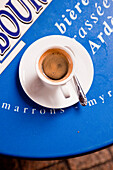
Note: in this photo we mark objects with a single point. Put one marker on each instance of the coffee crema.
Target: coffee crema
(55, 64)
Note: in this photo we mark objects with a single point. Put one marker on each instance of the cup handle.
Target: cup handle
(65, 90)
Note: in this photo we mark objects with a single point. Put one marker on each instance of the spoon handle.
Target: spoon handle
(80, 92)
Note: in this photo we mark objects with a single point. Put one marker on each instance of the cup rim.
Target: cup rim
(43, 78)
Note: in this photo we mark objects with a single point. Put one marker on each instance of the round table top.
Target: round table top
(31, 131)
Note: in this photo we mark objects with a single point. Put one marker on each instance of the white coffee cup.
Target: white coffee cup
(63, 83)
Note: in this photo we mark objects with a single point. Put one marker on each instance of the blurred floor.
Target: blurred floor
(101, 160)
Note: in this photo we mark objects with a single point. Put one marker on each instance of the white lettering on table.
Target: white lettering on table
(72, 15)
(101, 99)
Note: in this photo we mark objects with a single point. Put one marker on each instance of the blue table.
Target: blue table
(32, 131)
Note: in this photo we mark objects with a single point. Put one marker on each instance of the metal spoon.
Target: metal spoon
(80, 92)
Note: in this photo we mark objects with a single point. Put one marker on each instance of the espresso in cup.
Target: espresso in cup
(55, 64)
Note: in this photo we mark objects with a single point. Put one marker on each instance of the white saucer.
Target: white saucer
(35, 88)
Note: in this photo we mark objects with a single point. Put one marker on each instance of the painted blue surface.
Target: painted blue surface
(71, 131)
